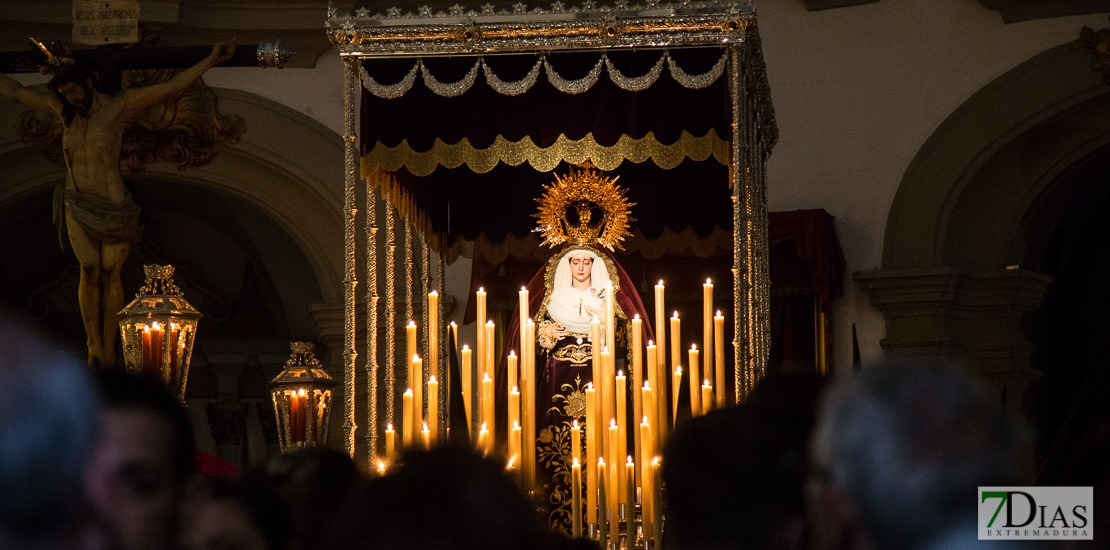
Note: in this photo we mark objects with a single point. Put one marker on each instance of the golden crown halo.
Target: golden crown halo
(584, 207)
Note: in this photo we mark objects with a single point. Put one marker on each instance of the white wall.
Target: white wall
(857, 91)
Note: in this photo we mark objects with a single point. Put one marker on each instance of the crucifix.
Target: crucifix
(90, 112)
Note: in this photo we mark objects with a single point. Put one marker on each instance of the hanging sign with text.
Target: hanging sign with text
(98, 22)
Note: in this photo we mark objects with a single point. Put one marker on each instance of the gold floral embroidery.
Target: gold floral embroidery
(577, 354)
(573, 400)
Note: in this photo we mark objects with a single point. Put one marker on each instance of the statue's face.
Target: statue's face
(78, 96)
(581, 266)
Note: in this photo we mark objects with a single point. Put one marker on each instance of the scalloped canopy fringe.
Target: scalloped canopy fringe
(564, 85)
(571, 151)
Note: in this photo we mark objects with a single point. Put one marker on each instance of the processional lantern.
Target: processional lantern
(158, 329)
(302, 395)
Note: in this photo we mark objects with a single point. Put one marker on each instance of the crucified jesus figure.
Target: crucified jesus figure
(94, 207)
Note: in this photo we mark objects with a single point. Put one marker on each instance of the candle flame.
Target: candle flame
(678, 369)
(514, 390)
(612, 422)
(676, 314)
(636, 317)
(516, 424)
(694, 347)
(425, 426)
(389, 427)
(433, 293)
(660, 282)
(655, 461)
(708, 282)
(620, 374)
(644, 421)
(574, 423)
(412, 324)
(466, 347)
(512, 353)
(647, 385)
(629, 461)
(432, 379)
(156, 325)
(300, 392)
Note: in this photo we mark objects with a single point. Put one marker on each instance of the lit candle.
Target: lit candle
(707, 331)
(417, 368)
(433, 407)
(390, 442)
(406, 422)
(676, 385)
(706, 397)
(148, 353)
(528, 411)
(484, 443)
(298, 414)
(157, 341)
(487, 403)
(676, 340)
(645, 473)
(575, 440)
(637, 378)
(381, 468)
(467, 377)
(719, 353)
(622, 416)
(593, 426)
(614, 470)
(453, 333)
(630, 492)
(480, 320)
(522, 314)
(491, 339)
(514, 443)
(513, 414)
(433, 334)
(695, 394)
(426, 437)
(603, 500)
(658, 381)
(602, 375)
(410, 347)
(576, 498)
(512, 369)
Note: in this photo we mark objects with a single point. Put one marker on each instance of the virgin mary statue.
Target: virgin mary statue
(585, 215)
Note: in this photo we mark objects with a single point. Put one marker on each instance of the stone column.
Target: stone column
(978, 318)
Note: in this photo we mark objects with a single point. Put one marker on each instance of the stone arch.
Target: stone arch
(287, 166)
(960, 275)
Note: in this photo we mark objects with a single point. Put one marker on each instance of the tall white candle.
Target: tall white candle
(433, 333)
(433, 408)
(695, 392)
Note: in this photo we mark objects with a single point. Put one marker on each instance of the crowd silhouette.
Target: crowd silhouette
(889, 457)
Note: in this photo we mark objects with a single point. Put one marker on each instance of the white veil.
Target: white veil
(563, 302)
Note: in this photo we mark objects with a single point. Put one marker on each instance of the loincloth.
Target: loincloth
(103, 220)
